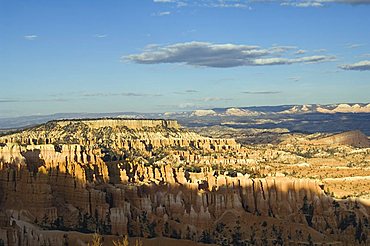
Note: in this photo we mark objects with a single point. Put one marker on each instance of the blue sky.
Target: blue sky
(172, 55)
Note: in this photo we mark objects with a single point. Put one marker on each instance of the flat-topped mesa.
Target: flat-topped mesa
(84, 131)
(142, 135)
(129, 123)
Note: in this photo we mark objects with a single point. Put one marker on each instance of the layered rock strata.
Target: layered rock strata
(139, 178)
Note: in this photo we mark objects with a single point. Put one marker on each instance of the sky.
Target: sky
(179, 55)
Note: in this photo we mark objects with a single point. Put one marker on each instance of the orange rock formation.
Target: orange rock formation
(152, 178)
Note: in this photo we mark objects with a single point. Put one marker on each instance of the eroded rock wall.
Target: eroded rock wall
(65, 186)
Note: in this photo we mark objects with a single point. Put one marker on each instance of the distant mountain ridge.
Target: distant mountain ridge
(286, 109)
(236, 112)
(329, 109)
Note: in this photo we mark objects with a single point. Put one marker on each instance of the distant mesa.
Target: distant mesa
(226, 112)
(121, 122)
(241, 112)
(204, 112)
(356, 108)
(328, 109)
(298, 109)
(294, 109)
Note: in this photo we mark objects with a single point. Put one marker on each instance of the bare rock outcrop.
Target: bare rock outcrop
(153, 178)
(353, 138)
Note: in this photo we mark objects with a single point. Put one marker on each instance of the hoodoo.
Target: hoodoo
(153, 178)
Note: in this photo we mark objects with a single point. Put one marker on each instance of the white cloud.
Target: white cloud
(261, 92)
(246, 3)
(346, 1)
(300, 52)
(213, 99)
(303, 4)
(320, 50)
(206, 54)
(123, 94)
(30, 37)
(100, 35)
(359, 66)
(354, 46)
(187, 105)
(225, 5)
(287, 61)
(189, 91)
(164, 1)
(163, 13)
(207, 3)
(319, 3)
(181, 4)
(295, 79)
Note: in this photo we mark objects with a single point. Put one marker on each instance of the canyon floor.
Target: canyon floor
(64, 180)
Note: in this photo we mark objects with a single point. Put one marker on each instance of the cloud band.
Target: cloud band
(204, 54)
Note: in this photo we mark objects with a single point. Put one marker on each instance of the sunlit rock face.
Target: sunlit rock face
(152, 178)
(353, 138)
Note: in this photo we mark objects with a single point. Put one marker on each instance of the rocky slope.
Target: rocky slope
(353, 138)
(151, 178)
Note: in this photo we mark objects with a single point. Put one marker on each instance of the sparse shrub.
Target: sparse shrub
(138, 242)
(193, 169)
(96, 240)
(205, 237)
(237, 235)
(124, 242)
(309, 239)
(307, 209)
